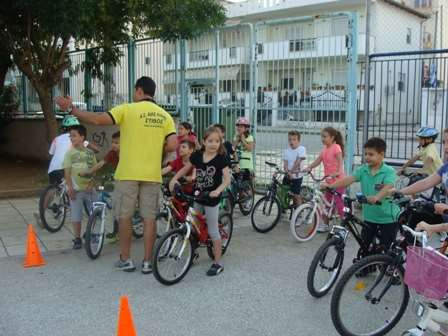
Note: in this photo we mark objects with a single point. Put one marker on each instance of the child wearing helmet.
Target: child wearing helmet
(60, 146)
(428, 153)
(244, 144)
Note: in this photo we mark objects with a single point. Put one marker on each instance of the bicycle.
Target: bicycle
(362, 289)
(54, 205)
(329, 258)
(277, 199)
(175, 250)
(307, 217)
(96, 224)
(241, 192)
(406, 179)
(426, 274)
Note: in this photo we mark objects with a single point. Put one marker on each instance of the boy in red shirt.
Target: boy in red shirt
(186, 148)
(111, 158)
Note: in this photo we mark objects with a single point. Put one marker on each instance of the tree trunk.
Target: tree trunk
(46, 103)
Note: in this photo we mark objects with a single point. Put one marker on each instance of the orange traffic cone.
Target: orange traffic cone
(32, 256)
(125, 323)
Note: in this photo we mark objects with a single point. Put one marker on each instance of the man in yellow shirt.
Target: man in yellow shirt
(146, 131)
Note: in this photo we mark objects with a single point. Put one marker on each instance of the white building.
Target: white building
(301, 65)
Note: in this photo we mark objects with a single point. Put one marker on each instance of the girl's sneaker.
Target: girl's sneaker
(323, 228)
(126, 266)
(215, 269)
(146, 267)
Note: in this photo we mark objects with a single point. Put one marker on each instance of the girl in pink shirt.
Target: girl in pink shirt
(332, 157)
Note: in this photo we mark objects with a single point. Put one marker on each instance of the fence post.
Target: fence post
(88, 83)
(215, 113)
(365, 134)
(183, 87)
(131, 69)
(23, 88)
(352, 59)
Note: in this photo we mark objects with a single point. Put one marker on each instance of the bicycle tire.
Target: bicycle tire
(91, 238)
(226, 205)
(165, 226)
(352, 271)
(60, 207)
(317, 259)
(137, 226)
(225, 237)
(264, 202)
(311, 232)
(159, 255)
(246, 186)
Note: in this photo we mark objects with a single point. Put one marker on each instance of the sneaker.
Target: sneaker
(77, 243)
(112, 237)
(146, 267)
(215, 269)
(443, 236)
(126, 266)
(323, 228)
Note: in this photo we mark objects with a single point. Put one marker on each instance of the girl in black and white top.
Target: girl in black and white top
(212, 174)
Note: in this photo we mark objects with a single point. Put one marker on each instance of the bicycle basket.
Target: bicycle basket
(426, 272)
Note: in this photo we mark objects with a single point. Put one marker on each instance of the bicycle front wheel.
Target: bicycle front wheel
(304, 222)
(370, 298)
(94, 238)
(53, 206)
(172, 257)
(325, 267)
(246, 198)
(266, 214)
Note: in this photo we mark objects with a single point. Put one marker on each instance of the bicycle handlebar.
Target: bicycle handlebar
(422, 235)
(191, 199)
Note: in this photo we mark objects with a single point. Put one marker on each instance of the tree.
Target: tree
(37, 33)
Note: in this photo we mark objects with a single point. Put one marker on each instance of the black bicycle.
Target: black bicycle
(371, 296)
(241, 191)
(327, 263)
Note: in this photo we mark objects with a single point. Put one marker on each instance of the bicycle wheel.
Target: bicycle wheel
(325, 267)
(172, 257)
(371, 304)
(225, 226)
(137, 226)
(246, 197)
(94, 236)
(226, 205)
(266, 214)
(304, 222)
(53, 206)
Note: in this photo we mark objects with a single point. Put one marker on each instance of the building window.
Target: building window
(232, 52)
(226, 85)
(259, 48)
(197, 56)
(302, 45)
(245, 85)
(288, 83)
(408, 35)
(169, 59)
(401, 81)
(148, 60)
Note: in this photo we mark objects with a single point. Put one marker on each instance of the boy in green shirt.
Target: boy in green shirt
(376, 179)
(80, 189)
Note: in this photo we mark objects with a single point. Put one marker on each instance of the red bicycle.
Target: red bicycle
(175, 250)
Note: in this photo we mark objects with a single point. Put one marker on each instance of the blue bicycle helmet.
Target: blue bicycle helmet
(427, 132)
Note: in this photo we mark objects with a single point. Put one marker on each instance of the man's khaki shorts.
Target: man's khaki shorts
(127, 193)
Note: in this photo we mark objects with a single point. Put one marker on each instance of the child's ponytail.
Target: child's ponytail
(338, 138)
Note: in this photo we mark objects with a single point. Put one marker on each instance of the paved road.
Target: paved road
(261, 292)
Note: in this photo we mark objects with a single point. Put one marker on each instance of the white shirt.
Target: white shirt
(292, 155)
(59, 147)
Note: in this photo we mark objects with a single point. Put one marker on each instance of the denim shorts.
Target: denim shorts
(296, 186)
(77, 205)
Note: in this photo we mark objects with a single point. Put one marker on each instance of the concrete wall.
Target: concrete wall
(27, 138)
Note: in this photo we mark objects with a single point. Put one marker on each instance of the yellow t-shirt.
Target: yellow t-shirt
(144, 126)
(430, 151)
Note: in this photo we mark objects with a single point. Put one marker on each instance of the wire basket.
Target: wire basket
(427, 272)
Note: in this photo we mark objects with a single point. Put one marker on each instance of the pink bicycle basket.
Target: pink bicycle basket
(426, 272)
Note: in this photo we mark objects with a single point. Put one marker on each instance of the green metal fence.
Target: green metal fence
(296, 73)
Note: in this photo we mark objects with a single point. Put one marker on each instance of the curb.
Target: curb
(20, 193)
